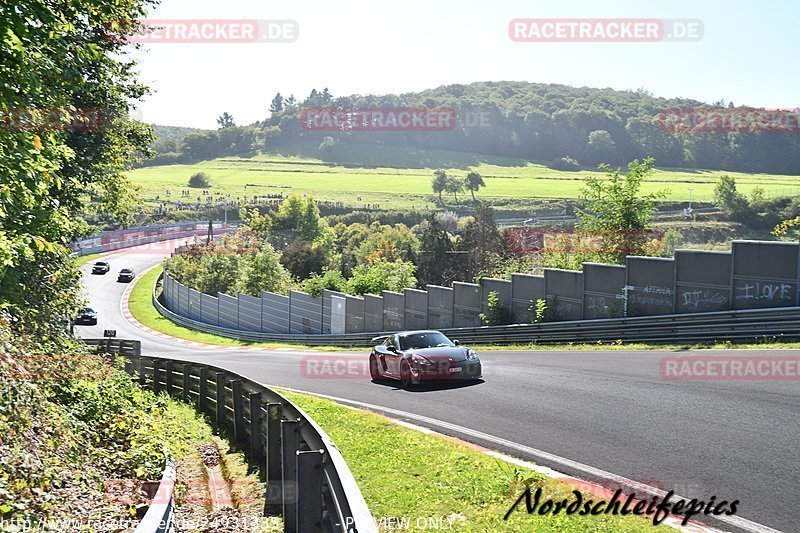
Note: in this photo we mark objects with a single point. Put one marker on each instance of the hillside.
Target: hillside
(530, 121)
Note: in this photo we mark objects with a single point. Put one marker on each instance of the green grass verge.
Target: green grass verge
(508, 181)
(407, 473)
(82, 260)
(141, 306)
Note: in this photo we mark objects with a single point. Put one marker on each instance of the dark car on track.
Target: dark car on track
(125, 275)
(101, 267)
(86, 317)
(417, 356)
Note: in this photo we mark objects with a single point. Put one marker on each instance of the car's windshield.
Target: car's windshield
(87, 310)
(424, 340)
(126, 270)
(100, 264)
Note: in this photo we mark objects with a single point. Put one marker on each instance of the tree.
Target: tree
(276, 106)
(616, 213)
(255, 222)
(433, 260)
(473, 182)
(439, 183)
(481, 238)
(382, 276)
(63, 166)
(263, 271)
(200, 180)
(301, 259)
(454, 186)
(291, 102)
(601, 146)
(788, 229)
(225, 121)
(300, 215)
(733, 202)
(217, 273)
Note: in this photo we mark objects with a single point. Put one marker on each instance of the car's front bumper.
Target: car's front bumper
(85, 321)
(448, 371)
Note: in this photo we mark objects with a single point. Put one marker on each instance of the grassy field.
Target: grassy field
(422, 478)
(508, 181)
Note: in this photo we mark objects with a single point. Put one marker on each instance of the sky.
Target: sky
(747, 55)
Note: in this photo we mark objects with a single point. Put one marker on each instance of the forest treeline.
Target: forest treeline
(538, 122)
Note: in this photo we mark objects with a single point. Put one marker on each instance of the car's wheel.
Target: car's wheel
(405, 375)
(374, 371)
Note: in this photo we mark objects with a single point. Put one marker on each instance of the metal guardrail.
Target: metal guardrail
(160, 516)
(308, 482)
(116, 346)
(752, 324)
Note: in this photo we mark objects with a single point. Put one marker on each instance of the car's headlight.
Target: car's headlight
(471, 355)
(418, 359)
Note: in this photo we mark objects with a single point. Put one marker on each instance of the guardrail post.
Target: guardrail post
(238, 412)
(142, 376)
(309, 491)
(169, 380)
(220, 411)
(156, 371)
(274, 504)
(289, 445)
(187, 370)
(202, 390)
(256, 438)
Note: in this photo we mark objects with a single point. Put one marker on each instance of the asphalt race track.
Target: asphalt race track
(736, 440)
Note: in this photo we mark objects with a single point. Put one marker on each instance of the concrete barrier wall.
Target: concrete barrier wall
(209, 309)
(326, 308)
(564, 293)
(373, 313)
(338, 314)
(274, 313)
(250, 313)
(702, 281)
(603, 290)
(354, 315)
(305, 313)
(416, 309)
(194, 305)
(394, 311)
(755, 274)
(440, 307)
(503, 289)
(765, 274)
(651, 285)
(228, 311)
(466, 305)
(525, 290)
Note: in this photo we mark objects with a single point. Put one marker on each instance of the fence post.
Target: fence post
(256, 437)
(309, 491)
(220, 411)
(142, 376)
(289, 447)
(187, 383)
(202, 390)
(156, 372)
(238, 413)
(170, 378)
(274, 504)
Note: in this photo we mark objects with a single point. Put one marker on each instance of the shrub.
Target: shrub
(495, 314)
(200, 180)
(565, 163)
(329, 279)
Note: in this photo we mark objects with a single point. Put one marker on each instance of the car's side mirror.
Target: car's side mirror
(392, 349)
(457, 343)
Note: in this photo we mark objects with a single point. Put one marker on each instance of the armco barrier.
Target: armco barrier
(752, 324)
(308, 482)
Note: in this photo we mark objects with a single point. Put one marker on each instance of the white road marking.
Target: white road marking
(590, 471)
